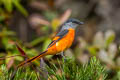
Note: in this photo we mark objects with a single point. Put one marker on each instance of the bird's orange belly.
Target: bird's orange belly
(62, 44)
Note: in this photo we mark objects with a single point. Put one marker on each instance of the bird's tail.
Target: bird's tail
(32, 59)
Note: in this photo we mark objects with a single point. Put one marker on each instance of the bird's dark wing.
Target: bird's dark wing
(61, 34)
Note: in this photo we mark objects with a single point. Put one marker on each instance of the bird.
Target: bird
(62, 41)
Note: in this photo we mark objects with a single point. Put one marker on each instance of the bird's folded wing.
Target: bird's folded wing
(58, 37)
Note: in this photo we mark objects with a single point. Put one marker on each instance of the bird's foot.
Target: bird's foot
(62, 54)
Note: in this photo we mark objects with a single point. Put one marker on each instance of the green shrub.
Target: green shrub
(66, 70)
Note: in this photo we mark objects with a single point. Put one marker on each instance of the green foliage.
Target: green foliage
(118, 75)
(69, 69)
(7, 4)
(8, 7)
(20, 74)
(72, 71)
(20, 7)
(110, 37)
(102, 46)
(10, 4)
(8, 43)
(4, 75)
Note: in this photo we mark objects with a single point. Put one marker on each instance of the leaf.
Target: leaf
(2, 18)
(10, 63)
(37, 41)
(6, 33)
(8, 5)
(46, 43)
(112, 50)
(5, 41)
(36, 19)
(65, 16)
(98, 40)
(21, 51)
(92, 50)
(8, 44)
(20, 7)
(109, 37)
(105, 58)
(55, 24)
(2, 58)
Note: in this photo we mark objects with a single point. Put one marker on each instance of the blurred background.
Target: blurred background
(33, 23)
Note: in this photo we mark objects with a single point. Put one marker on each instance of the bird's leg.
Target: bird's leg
(42, 63)
(43, 69)
(62, 54)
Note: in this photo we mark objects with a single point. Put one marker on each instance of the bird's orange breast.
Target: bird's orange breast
(62, 44)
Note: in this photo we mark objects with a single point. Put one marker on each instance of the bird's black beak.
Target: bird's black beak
(80, 23)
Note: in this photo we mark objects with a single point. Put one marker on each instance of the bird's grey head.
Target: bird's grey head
(71, 23)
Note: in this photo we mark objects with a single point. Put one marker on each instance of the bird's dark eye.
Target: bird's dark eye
(74, 21)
